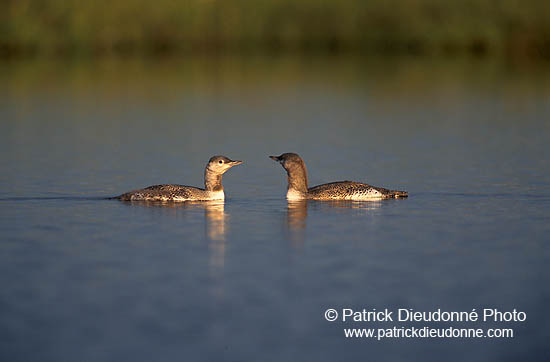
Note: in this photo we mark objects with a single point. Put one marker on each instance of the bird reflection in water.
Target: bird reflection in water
(215, 231)
(342, 205)
(213, 212)
(296, 221)
(215, 227)
(297, 212)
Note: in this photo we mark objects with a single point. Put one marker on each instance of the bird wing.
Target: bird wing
(162, 192)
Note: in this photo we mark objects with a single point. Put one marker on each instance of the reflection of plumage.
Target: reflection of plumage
(213, 189)
(343, 190)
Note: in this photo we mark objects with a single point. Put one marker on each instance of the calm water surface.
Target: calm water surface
(249, 280)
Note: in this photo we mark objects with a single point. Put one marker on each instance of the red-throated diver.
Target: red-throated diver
(343, 190)
(213, 189)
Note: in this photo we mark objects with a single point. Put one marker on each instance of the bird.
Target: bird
(342, 190)
(213, 189)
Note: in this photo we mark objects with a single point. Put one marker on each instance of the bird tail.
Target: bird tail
(399, 194)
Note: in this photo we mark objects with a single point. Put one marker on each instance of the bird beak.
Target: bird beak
(235, 163)
(275, 158)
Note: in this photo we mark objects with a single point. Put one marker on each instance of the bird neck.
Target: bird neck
(212, 180)
(297, 178)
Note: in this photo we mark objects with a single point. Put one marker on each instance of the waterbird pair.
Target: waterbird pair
(297, 185)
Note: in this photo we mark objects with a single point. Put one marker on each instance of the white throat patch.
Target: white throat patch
(294, 195)
(216, 195)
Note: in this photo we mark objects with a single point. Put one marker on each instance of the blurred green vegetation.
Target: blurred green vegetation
(503, 27)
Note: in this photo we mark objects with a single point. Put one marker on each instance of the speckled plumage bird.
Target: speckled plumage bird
(213, 189)
(342, 190)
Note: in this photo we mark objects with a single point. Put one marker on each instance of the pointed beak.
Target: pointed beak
(235, 163)
(275, 158)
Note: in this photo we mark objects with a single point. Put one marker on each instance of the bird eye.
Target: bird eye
(220, 162)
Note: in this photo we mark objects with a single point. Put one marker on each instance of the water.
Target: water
(250, 279)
